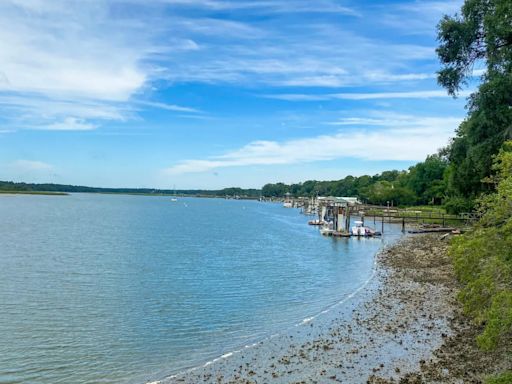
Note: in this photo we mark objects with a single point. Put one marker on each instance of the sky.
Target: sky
(211, 94)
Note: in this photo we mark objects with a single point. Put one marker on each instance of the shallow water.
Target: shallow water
(124, 289)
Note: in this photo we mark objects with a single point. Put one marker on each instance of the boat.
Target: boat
(174, 199)
(327, 229)
(316, 222)
(287, 204)
(360, 230)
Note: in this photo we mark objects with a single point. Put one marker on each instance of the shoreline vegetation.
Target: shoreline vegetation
(407, 327)
(45, 193)
(49, 188)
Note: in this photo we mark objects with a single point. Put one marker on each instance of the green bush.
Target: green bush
(483, 259)
(504, 378)
(455, 205)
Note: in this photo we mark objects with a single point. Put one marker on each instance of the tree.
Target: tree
(480, 36)
(426, 179)
(482, 33)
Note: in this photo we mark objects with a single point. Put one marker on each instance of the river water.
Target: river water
(125, 289)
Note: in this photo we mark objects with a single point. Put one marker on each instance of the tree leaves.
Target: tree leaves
(483, 258)
(481, 34)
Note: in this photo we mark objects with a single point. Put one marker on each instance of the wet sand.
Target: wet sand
(404, 326)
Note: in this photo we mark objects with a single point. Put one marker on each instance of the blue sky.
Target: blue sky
(211, 94)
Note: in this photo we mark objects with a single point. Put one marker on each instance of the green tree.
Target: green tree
(426, 179)
(480, 36)
(274, 190)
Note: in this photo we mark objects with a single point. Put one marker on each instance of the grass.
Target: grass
(422, 214)
(504, 378)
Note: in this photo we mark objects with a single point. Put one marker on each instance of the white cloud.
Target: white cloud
(95, 60)
(65, 52)
(168, 107)
(391, 77)
(49, 108)
(61, 59)
(395, 95)
(269, 6)
(70, 124)
(400, 137)
(365, 96)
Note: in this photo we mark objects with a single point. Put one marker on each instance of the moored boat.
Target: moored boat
(360, 230)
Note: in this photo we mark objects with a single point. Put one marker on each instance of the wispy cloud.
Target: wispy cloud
(269, 6)
(71, 124)
(365, 96)
(418, 17)
(421, 136)
(64, 52)
(168, 107)
(75, 65)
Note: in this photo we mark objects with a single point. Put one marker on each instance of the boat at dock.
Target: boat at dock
(360, 230)
(327, 229)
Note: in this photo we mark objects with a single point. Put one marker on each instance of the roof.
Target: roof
(340, 200)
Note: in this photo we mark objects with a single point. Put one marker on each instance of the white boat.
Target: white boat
(174, 199)
(288, 204)
(360, 230)
(327, 229)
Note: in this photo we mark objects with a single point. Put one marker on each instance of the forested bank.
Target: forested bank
(423, 183)
(9, 186)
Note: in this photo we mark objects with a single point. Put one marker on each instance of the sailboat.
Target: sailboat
(174, 199)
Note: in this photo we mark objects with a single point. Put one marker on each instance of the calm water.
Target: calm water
(123, 289)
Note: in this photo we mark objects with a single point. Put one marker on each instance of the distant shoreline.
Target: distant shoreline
(34, 193)
(178, 195)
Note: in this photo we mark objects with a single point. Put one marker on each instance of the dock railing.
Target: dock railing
(397, 215)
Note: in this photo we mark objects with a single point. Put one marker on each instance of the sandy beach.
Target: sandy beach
(404, 326)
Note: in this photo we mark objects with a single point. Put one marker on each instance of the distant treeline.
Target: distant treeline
(30, 187)
(424, 183)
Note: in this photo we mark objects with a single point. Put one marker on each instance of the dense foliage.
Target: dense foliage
(481, 36)
(483, 258)
(421, 184)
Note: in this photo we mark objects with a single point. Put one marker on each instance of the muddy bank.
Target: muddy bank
(458, 359)
(404, 326)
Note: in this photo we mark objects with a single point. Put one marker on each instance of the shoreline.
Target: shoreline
(375, 334)
(404, 325)
(178, 377)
